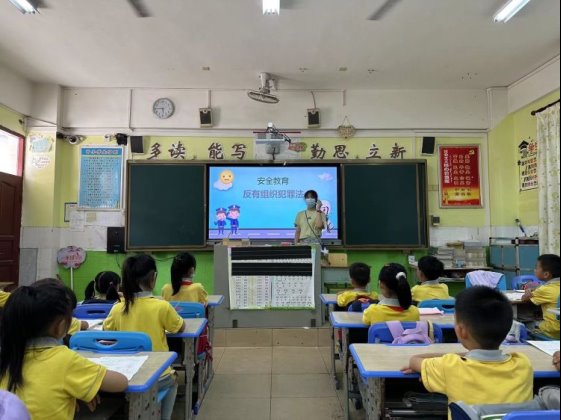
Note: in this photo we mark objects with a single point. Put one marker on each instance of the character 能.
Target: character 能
(233, 216)
(221, 219)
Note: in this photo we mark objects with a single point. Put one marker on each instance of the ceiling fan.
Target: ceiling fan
(383, 9)
(32, 6)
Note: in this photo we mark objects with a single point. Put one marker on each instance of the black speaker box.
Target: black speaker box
(429, 143)
(313, 118)
(205, 115)
(137, 144)
(116, 240)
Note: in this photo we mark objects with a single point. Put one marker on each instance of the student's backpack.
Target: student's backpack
(417, 335)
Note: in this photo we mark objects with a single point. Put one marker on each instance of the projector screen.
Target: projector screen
(263, 200)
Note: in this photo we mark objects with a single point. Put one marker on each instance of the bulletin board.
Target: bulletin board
(101, 177)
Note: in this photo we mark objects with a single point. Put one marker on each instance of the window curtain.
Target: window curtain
(548, 172)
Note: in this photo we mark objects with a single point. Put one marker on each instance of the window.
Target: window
(11, 153)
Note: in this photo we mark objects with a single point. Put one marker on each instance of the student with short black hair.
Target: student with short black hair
(103, 289)
(360, 278)
(396, 303)
(429, 270)
(141, 312)
(182, 287)
(548, 269)
(46, 375)
(483, 375)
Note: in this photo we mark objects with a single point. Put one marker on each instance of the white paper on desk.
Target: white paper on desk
(430, 311)
(128, 366)
(514, 296)
(93, 322)
(548, 347)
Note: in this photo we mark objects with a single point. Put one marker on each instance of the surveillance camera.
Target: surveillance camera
(73, 139)
(108, 137)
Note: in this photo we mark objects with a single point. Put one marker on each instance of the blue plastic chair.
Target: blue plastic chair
(380, 333)
(533, 415)
(93, 311)
(448, 306)
(501, 285)
(111, 341)
(518, 282)
(189, 309)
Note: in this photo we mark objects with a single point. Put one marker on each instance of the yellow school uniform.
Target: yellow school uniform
(305, 220)
(188, 292)
(389, 310)
(54, 378)
(546, 296)
(75, 326)
(3, 298)
(480, 377)
(429, 290)
(349, 296)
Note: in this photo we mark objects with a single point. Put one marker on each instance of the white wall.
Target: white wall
(534, 86)
(15, 91)
(89, 108)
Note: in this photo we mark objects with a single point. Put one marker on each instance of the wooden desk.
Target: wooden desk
(143, 387)
(349, 320)
(194, 327)
(375, 364)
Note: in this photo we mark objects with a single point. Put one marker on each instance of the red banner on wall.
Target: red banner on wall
(460, 180)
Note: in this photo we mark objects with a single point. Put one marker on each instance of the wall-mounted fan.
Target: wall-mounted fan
(263, 94)
(383, 9)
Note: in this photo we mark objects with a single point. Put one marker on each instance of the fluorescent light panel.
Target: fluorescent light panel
(271, 7)
(511, 8)
(24, 6)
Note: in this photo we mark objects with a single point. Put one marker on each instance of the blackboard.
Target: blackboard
(165, 205)
(384, 205)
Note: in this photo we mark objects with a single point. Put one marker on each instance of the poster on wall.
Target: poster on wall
(101, 174)
(460, 176)
(528, 164)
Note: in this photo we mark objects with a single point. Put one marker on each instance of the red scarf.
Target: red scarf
(186, 282)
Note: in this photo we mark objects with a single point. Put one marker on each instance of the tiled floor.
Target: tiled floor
(273, 383)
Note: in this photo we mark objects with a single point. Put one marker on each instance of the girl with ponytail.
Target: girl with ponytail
(182, 287)
(104, 288)
(142, 312)
(396, 302)
(46, 375)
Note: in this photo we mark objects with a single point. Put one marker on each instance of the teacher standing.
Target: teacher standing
(310, 222)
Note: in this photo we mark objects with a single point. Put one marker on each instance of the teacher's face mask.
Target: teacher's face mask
(310, 202)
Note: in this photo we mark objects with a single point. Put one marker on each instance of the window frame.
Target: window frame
(21, 149)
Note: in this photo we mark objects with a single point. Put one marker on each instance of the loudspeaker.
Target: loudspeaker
(313, 118)
(205, 115)
(137, 144)
(116, 240)
(428, 145)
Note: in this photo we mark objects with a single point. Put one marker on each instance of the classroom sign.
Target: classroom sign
(528, 165)
(71, 257)
(460, 178)
(101, 170)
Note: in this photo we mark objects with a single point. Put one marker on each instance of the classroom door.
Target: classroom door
(10, 226)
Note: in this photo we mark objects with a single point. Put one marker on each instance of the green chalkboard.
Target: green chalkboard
(385, 205)
(165, 206)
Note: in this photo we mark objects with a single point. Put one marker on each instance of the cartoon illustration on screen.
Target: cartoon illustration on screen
(326, 208)
(225, 180)
(233, 216)
(221, 219)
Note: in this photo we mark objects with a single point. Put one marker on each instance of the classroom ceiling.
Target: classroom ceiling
(419, 44)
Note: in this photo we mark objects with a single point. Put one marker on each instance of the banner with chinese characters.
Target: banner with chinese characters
(101, 173)
(528, 165)
(460, 178)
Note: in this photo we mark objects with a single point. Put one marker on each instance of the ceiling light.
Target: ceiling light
(25, 6)
(271, 7)
(511, 8)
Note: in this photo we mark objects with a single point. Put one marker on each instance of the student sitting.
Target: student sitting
(428, 272)
(142, 312)
(103, 289)
(547, 269)
(47, 376)
(360, 278)
(395, 304)
(182, 288)
(483, 375)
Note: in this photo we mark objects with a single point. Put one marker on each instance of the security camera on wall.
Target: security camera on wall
(74, 140)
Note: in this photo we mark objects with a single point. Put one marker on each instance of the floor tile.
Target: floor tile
(298, 360)
(235, 409)
(326, 356)
(249, 337)
(303, 386)
(246, 361)
(296, 337)
(240, 386)
(306, 408)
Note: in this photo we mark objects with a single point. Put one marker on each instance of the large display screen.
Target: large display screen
(261, 202)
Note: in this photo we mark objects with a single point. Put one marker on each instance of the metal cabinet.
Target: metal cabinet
(513, 256)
